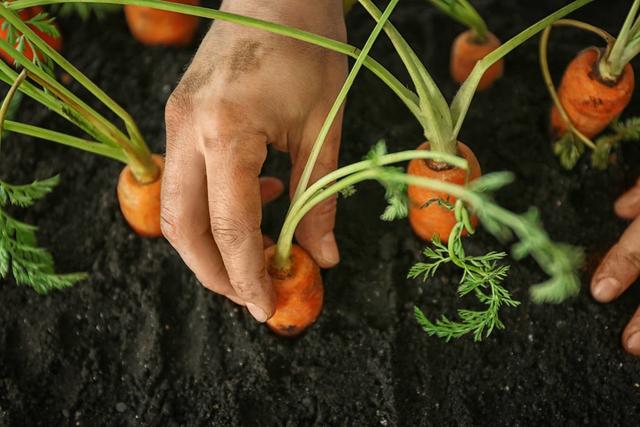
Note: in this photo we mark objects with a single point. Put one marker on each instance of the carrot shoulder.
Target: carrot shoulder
(590, 103)
(299, 293)
(426, 216)
(466, 52)
(158, 27)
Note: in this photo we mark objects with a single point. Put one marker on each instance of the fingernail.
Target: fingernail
(329, 249)
(633, 343)
(257, 312)
(606, 289)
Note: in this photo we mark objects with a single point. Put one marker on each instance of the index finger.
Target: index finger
(233, 166)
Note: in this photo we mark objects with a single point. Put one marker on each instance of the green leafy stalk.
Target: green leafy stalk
(435, 116)
(560, 261)
(282, 258)
(463, 12)
(19, 252)
(337, 104)
(481, 275)
(625, 48)
(139, 156)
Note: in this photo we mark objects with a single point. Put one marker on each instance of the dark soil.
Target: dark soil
(142, 343)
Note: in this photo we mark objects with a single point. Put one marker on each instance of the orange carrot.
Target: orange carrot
(25, 15)
(140, 203)
(158, 27)
(467, 50)
(426, 216)
(299, 292)
(590, 102)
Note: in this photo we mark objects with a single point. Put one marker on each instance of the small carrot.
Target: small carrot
(467, 50)
(299, 292)
(591, 102)
(159, 27)
(427, 215)
(26, 15)
(140, 203)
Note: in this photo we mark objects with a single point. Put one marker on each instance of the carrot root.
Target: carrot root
(426, 216)
(140, 203)
(466, 52)
(590, 103)
(299, 293)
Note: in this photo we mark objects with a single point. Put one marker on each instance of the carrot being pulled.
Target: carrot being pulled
(158, 27)
(595, 89)
(472, 45)
(299, 292)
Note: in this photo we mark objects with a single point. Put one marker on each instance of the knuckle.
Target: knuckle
(231, 233)
(631, 258)
(177, 108)
(327, 208)
(169, 225)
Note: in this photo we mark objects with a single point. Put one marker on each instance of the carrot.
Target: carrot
(590, 102)
(140, 203)
(25, 15)
(299, 292)
(159, 27)
(467, 50)
(426, 216)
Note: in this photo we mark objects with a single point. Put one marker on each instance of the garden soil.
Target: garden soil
(143, 343)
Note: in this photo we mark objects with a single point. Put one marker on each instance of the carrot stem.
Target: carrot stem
(611, 66)
(6, 103)
(337, 104)
(435, 118)
(463, 12)
(64, 139)
(323, 186)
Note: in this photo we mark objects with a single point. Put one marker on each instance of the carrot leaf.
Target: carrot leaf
(19, 251)
(482, 276)
(568, 149)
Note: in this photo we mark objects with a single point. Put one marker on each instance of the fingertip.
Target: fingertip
(632, 344)
(258, 313)
(327, 253)
(628, 205)
(605, 289)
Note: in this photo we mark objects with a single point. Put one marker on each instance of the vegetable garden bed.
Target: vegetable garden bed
(141, 342)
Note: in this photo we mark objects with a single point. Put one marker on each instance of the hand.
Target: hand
(621, 267)
(245, 89)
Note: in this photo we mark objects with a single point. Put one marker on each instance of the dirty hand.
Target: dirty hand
(621, 267)
(245, 89)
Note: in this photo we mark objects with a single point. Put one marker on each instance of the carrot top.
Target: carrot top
(625, 47)
(463, 12)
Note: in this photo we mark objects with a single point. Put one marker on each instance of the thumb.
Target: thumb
(315, 231)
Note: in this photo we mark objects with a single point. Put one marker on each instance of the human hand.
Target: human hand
(245, 89)
(621, 266)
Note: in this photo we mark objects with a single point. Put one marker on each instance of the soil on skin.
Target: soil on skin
(142, 343)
